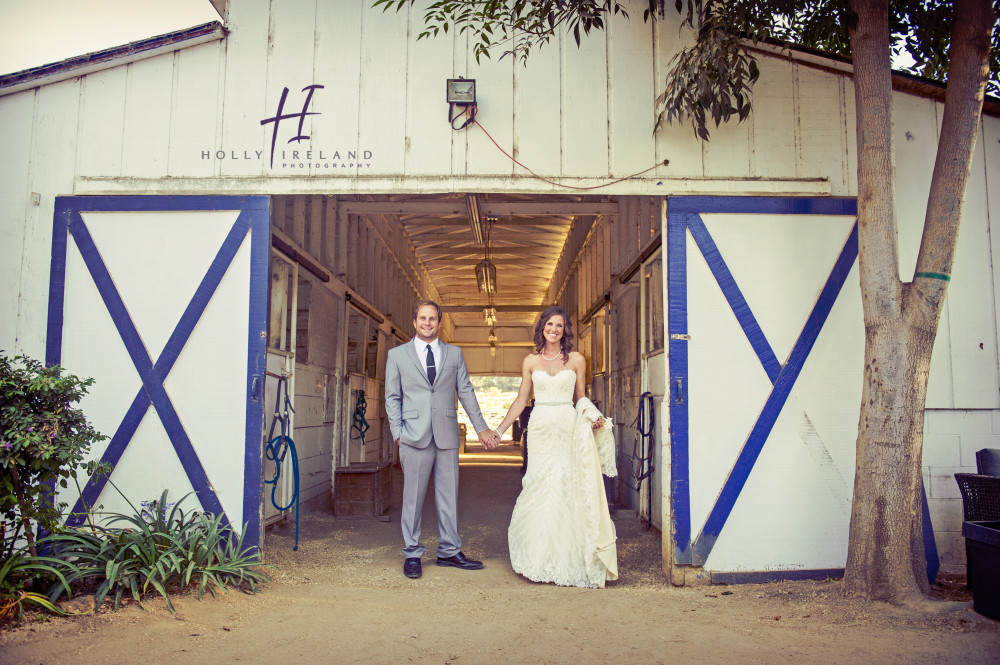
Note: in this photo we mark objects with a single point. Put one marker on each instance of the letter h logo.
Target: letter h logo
(301, 116)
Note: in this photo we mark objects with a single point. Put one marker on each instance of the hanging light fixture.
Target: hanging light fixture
(490, 315)
(493, 342)
(486, 276)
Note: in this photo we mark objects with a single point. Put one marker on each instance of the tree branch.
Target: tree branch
(968, 70)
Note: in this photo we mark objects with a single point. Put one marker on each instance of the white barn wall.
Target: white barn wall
(143, 127)
(538, 139)
(102, 124)
(494, 91)
(196, 119)
(147, 116)
(632, 83)
(774, 116)
(245, 53)
(15, 211)
(50, 168)
(381, 124)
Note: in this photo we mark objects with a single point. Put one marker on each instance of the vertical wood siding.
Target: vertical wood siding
(15, 136)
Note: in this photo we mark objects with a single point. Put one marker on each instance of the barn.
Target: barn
(209, 220)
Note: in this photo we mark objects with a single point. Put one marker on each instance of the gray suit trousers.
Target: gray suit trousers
(418, 465)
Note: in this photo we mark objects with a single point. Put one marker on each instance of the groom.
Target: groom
(422, 378)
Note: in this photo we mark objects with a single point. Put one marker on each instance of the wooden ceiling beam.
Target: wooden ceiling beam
(486, 208)
(448, 241)
(501, 309)
(563, 222)
(520, 250)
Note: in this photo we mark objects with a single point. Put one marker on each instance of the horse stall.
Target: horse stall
(228, 228)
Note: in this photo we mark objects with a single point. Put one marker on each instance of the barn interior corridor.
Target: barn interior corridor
(346, 271)
(368, 551)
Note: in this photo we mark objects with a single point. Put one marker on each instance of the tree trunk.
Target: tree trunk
(886, 559)
(23, 507)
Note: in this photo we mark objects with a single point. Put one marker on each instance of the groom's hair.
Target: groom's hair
(425, 303)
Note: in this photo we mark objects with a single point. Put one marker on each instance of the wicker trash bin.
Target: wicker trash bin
(980, 503)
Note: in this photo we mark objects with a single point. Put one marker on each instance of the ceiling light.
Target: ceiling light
(490, 315)
(486, 276)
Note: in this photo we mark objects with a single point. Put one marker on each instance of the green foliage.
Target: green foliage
(158, 549)
(20, 570)
(711, 80)
(43, 441)
(514, 25)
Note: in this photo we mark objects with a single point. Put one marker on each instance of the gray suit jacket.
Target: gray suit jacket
(420, 412)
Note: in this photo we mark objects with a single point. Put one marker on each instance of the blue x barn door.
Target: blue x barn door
(766, 349)
(163, 301)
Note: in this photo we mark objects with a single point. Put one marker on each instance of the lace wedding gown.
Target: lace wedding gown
(561, 530)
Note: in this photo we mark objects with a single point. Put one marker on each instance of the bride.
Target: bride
(561, 530)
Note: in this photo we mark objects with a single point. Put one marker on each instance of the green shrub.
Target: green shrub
(159, 549)
(43, 441)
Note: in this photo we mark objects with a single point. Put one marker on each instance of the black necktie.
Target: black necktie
(431, 371)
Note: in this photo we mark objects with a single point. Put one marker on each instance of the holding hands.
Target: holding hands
(489, 438)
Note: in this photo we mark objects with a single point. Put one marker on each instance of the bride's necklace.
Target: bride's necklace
(542, 353)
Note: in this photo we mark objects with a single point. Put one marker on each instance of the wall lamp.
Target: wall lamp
(460, 92)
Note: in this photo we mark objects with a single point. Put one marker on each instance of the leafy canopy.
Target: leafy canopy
(710, 80)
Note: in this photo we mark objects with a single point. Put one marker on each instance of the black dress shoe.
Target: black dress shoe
(411, 568)
(459, 560)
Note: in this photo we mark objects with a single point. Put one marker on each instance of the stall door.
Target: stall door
(766, 347)
(162, 301)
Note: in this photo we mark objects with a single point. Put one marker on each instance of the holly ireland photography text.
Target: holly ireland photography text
(299, 159)
(303, 156)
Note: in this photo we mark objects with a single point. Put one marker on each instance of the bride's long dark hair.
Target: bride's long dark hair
(566, 343)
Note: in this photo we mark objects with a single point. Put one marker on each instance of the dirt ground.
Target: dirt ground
(342, 598)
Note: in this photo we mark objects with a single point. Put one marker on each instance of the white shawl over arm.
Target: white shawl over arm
(596, 456)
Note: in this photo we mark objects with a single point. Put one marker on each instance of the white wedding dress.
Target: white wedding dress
(561, 530)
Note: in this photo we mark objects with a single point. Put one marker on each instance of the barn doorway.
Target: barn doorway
(362, 262)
